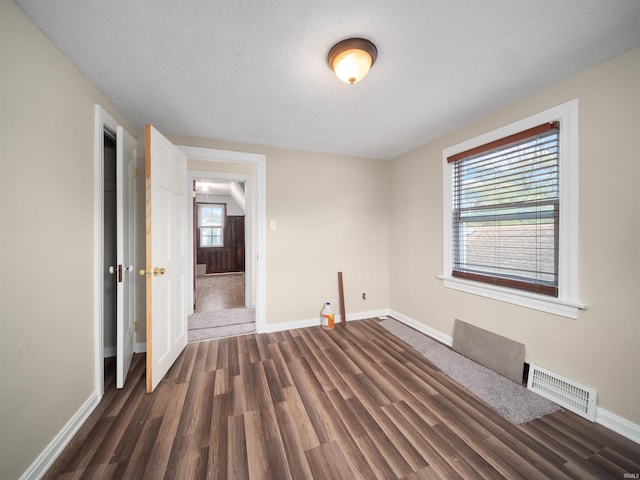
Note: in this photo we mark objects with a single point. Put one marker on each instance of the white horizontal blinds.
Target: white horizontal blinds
(506, 208)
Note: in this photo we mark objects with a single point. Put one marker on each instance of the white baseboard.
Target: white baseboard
(40, 466)
(421, 327)
(313, 322)
(109, 352)
(618, 424)
(140, 347)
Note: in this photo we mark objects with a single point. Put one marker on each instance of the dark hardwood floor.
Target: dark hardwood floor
(352, 403)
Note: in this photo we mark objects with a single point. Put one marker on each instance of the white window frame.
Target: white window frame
(200, 227)
(567, 303)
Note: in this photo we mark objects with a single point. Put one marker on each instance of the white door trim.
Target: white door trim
(215, 155)
(102, 120)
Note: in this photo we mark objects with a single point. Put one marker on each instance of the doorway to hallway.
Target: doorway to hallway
(249, 169)
(223, 247)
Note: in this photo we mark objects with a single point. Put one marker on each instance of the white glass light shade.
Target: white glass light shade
(351, 66)
(351, 59)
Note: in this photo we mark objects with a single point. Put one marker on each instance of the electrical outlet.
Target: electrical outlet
(364, 296)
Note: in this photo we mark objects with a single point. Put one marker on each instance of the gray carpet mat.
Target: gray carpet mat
(511, 400)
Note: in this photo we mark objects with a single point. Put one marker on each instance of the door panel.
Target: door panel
(166, 205)
(125, 163)
(194, 222)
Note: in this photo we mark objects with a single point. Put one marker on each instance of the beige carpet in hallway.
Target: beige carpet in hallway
(220, 310)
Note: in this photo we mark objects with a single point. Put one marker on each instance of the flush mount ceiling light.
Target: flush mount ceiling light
(352, 58)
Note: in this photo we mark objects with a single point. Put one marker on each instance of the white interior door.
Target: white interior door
(166, 227)
(125, 163)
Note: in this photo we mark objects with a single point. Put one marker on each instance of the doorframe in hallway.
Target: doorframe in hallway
(255, 222)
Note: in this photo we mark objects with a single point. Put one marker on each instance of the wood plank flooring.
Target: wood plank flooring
(220, 292)
(352, 403)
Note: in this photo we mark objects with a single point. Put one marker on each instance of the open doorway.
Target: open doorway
(109, 254)
(115, 161)
(250, 170)
(221, 246)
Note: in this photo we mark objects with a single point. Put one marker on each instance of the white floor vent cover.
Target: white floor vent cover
(566, 393)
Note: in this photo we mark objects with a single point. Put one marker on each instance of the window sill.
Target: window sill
(558, 306)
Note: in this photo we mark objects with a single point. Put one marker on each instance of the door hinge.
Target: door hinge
(135, 326)
(134, 172)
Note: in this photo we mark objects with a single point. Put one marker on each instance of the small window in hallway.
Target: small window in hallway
(211, 218)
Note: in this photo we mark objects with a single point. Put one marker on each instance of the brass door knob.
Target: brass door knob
(158, 271)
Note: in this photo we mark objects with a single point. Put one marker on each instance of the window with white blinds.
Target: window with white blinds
(505, 209)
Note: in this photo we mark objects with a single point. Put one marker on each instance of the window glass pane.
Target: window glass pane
(210, 215)
(210, 237)
(520, 251)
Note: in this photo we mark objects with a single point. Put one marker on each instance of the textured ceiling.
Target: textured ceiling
(256, 71)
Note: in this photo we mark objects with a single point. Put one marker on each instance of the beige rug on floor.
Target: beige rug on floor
(221, 323)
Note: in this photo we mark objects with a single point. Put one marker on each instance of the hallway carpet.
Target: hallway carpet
(221, 323)
(220, 308)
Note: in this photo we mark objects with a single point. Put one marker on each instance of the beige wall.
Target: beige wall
(332, 215)
(600, 348)
(47, 247)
